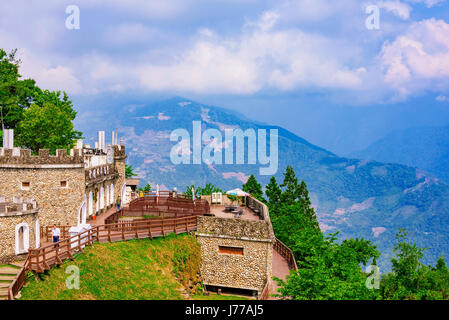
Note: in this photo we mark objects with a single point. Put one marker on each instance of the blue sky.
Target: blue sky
(270, 56)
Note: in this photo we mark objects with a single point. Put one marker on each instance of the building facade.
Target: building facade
(236, 254)
(69, 188)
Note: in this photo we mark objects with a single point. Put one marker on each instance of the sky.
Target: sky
(277, 61)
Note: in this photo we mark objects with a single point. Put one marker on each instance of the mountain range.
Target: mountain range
(423, 147)
(359, 198)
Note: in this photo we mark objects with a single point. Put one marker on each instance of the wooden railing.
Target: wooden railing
(286, 253)
(162, 194)
(168, 207)
(19, 280)
(44, 258)
(46, 232)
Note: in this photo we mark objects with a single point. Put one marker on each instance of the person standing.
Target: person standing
(55, 232)
(119, 202)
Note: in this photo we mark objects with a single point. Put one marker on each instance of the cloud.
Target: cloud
(428, 3)
(259, 58)
(398, 8)
(129, 33)
(419, 58)
(282, 47)
(266, 21)
(442, 98)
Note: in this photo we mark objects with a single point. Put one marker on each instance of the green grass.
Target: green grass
(130, 270)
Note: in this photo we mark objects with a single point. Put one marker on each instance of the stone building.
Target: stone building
(236, 253)
(68, 187)
(19, 227)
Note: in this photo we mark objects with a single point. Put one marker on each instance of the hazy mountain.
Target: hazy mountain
(425, 147)
(360, 198)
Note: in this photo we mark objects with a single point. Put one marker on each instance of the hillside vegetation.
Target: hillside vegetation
(159, 269)
(329, 269)
(426, 148)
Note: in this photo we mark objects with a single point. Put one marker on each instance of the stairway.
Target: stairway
(8, 273)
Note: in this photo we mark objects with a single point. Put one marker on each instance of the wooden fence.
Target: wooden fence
(19, 280)
(286, 253)
(167, 207)
(44, 258)
(46, 232)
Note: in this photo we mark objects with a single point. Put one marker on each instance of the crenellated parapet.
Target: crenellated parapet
(17, 206)
(17, 157)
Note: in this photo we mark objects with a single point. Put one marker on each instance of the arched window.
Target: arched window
(22, 238)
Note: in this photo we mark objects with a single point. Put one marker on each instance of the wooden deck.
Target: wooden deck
(219, 211)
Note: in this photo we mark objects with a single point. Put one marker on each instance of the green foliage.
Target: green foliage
(129, 171)
(48, 125)
(208, 189)
(253, 188)
(327, 269)
(41, 118)
(146, 188)
(412, 280)
(16, 95)
(273, 192)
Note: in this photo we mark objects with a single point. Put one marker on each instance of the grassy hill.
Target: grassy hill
(158, 269)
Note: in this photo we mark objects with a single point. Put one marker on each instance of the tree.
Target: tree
(208, 189)
(253, 188)
(47, 123)
(146, 188)
(188, 191)
(290, 185)
(129, 171)
(41, 118)
(273, 192)
(15, 95)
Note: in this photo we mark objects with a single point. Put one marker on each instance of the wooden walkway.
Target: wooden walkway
(280, 270)
(51, 254)
(48, 255)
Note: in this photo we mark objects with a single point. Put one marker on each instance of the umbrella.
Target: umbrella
(237, 193)
(193, 194)
(157, 190)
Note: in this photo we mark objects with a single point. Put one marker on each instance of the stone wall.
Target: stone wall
(247, 271)
(58, 204)
(9, 220)
(119, 162)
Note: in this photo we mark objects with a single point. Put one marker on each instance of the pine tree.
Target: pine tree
(273, 192)
(291, 186)
(254, 188)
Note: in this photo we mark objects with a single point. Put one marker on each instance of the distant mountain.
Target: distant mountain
(426, 148)
(360, 198)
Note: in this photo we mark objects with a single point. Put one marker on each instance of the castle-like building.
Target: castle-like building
(62, 189)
